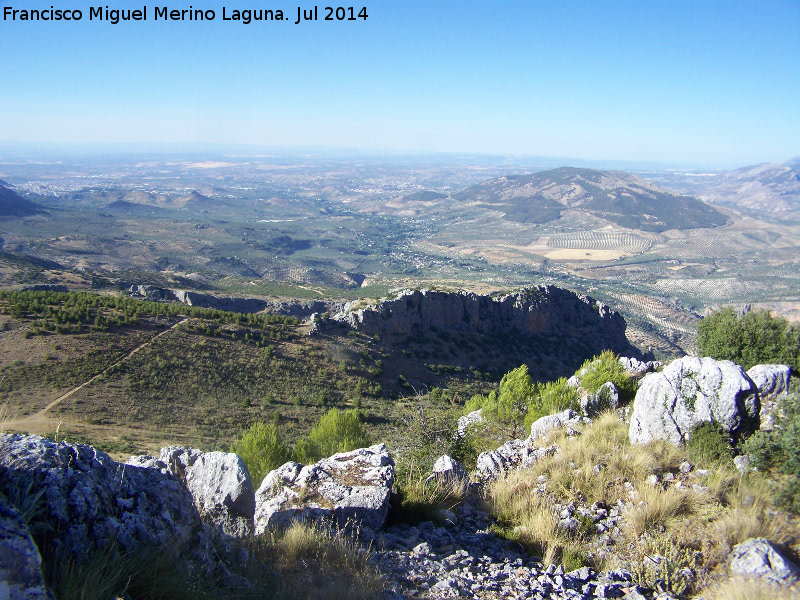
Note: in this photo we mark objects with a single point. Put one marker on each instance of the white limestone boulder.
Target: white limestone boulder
(690, 391)
(349, 489)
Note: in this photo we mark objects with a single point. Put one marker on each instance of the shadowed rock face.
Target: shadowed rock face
(690, 391)
(20, 563)
(89, 499)
(545, 310)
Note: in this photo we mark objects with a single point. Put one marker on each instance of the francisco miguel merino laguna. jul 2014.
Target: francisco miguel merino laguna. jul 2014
(164, 13)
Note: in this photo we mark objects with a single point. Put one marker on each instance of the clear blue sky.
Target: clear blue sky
(712, 82)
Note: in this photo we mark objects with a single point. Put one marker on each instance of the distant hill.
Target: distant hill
(615, 196)
(793, 163)
(768, 187)
(425, 196)
(14, 205)
(132, 207)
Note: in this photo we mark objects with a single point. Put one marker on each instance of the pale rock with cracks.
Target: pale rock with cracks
(690, 391)
(758, 558)
(773, 383)
(349, 489)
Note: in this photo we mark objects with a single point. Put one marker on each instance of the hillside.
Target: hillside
(14, 205)
(615, 196)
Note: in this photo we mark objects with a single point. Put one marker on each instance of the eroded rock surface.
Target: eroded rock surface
(690, 391)
(773, 383)
(20, 562)
(90, 501)
(220, 485)
(348, 489)
(757, 557)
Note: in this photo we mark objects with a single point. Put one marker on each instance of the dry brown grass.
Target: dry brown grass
(314, 562)
(742, 589)
(665, 530)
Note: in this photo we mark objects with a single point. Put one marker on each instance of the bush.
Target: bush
(262, 450)
(776, 450)
(337, 431)
(750, 339)
(550, 398)
(603, 368)
(708, 443)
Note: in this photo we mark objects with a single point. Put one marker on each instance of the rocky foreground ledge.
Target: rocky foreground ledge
(202, 503)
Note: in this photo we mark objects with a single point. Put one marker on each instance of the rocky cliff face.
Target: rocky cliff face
(301, 309)
(543, 310)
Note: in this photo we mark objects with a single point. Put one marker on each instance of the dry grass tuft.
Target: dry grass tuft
(742, 589)
(313, 561)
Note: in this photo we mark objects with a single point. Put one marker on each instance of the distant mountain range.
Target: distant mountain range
(615, 196)
(14, 205)
(765, 188)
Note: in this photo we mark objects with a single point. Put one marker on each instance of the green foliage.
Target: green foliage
(776, 450)
(262, 450)
(509, 406)
(603, 368)
(708, 443)
(550, 398)
(750, 339)
(337, 431)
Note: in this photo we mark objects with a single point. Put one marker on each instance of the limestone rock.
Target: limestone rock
(514, 454)
(20, 562)
(447, 469)
(91, 501)
(691, 391)
(349, 488)
(757, 557)
(469, 419)
(638, 368)
(772, 382)
(542, 310)
(220, 485)
(606, 397)
(544, 425)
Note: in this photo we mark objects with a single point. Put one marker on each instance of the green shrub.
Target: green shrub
(777, 451)
(337, 431)
(750, 339)
(708, 443)
(603, 368)
(262, 450)
(550, 398)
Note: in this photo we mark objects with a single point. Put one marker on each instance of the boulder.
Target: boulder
(89, 501)
(448, 470)
(349, 489)
(544, 425)
(515, 454)
(772, 382)
(606, 397)
(469, 419)
(691, 391)
(220, 485)
(638, 368)
(20, 562)
(758, 558)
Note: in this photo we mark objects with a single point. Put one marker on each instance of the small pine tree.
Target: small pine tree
(262, 449)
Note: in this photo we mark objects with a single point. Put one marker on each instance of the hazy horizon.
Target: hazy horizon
(679, 83)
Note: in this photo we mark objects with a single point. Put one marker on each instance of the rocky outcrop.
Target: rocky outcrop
(639, 368)
(468, 420)
(544, 310)
(606, 397)
(542, 426)
(90, 501)
(349, 489)
(758, 558)
(772, 382)
(301, 309)
(691, 391)
(20, 562)
(448, 470)
(240, 305)
(219, 483)
(514, 454)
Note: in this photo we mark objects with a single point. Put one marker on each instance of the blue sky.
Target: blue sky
(706, 82)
